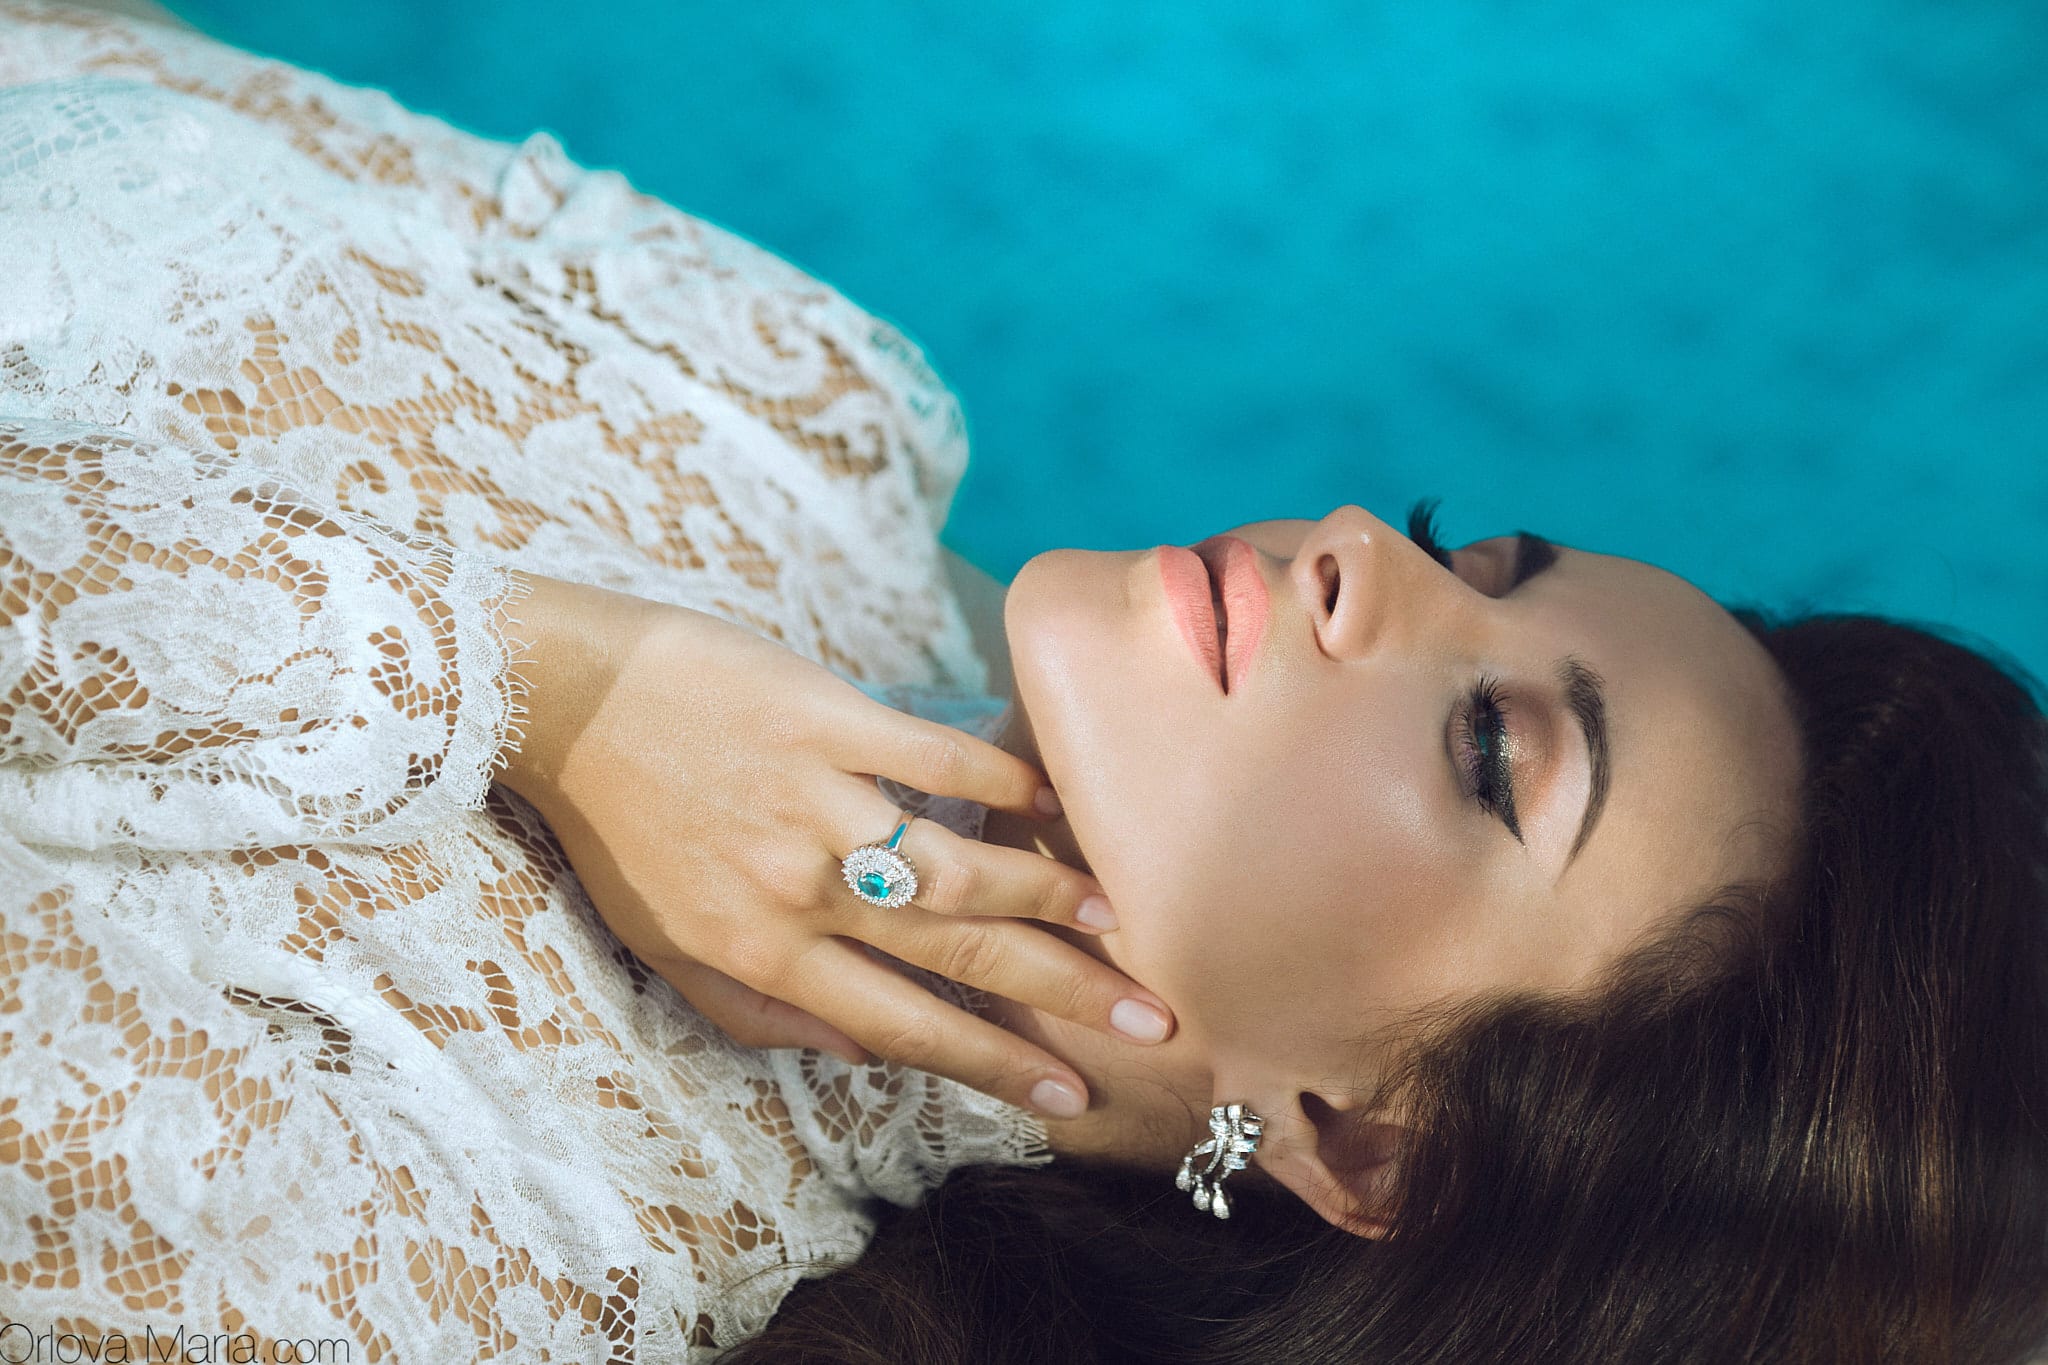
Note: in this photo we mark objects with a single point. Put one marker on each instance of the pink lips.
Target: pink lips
(1186, 580)
(1186, 576)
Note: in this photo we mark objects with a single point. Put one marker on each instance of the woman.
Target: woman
(351, 461)
(1794, 1117)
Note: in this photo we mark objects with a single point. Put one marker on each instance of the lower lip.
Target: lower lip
(1245, 601)
(1186, 580)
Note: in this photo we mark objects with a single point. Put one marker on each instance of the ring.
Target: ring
(879, 874)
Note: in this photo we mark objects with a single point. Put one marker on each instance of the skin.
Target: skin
(1298, 862)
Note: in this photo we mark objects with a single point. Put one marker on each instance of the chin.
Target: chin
(1066, 620)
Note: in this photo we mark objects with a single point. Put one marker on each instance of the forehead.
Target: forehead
(1648, 632)
(1704, 748)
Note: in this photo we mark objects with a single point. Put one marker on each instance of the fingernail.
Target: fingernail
(1056, 1100)
(1136, 1019)
(1095, 912)
(1048, 803)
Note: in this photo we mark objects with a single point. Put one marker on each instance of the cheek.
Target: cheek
(1309, 885)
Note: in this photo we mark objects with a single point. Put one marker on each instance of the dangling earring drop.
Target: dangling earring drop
(1234, 1135)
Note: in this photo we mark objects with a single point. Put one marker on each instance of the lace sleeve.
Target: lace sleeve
(194, 656)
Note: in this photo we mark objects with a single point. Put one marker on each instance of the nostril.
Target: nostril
(1327, 568)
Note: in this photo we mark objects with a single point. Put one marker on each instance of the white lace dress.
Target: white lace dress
(306, 1029)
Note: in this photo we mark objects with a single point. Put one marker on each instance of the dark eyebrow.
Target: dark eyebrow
(1584, 696)
(1533, 554)
(1586, 701)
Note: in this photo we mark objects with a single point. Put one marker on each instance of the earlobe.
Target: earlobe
(1341, 1164)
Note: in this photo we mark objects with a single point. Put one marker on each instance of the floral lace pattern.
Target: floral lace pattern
(306, 1029)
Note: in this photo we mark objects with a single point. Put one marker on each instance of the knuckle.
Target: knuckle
(908, 1040)
(956, 888)
(1058, 900)
(943, 757)
(1018, 1075)
(973, 958)
(1080, 996)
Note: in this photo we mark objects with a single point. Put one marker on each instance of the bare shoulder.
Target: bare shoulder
(981, 599)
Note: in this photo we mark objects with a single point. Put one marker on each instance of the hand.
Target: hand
(705, 781)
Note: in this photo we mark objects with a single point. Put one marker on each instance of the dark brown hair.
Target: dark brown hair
(1810, 1123)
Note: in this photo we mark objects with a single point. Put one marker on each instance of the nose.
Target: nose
(1360, 580)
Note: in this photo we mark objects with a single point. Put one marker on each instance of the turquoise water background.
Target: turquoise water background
(1757, 293)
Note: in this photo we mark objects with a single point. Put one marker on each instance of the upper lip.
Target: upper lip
(1215, 556)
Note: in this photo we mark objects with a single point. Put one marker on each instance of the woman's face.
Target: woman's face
(1300, 859)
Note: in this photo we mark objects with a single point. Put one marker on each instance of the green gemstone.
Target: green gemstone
(874, 884)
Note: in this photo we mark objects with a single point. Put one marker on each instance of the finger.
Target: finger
(751, 1018)
(938, 759)
(1022, 963)
(960, 876)
(902, 1022)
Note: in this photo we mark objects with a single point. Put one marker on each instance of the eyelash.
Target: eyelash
(1422, 530)
(1485, 768)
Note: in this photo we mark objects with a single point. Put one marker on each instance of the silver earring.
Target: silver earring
(1233, 1135)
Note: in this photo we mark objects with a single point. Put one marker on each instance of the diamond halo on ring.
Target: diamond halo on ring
(879, 874)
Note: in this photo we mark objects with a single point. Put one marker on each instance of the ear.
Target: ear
(1339, 1161)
